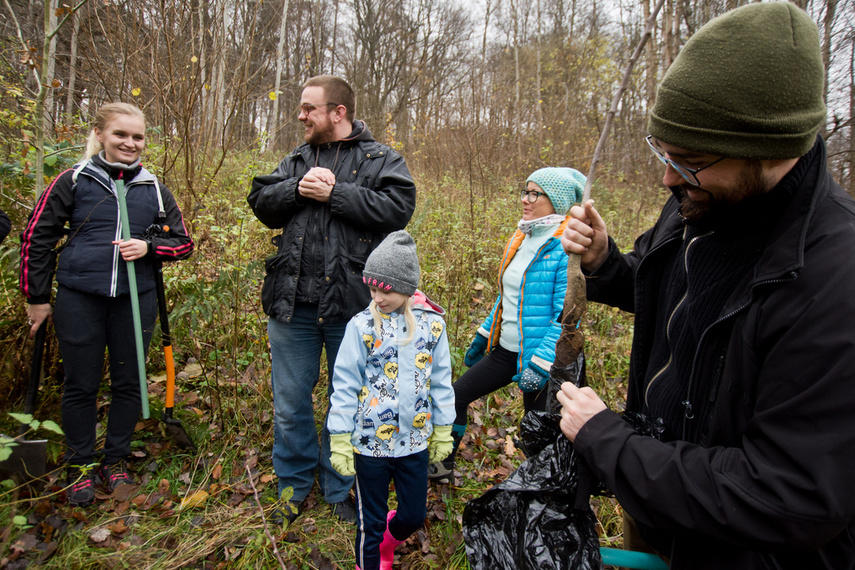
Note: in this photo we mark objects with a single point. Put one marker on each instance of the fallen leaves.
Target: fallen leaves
(99, 534)
(193, 500)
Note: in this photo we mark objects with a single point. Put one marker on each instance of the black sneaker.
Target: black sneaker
(81, 488)
(345, 511)
(441, 471)
(114, 475)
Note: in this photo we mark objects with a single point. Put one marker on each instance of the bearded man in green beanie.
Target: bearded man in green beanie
(744, 303)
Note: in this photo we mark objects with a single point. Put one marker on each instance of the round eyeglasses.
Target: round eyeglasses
(688, 174)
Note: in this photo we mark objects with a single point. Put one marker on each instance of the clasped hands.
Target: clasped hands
(317, 184)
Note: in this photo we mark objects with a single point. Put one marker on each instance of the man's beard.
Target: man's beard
(749, 182)
(321, 135)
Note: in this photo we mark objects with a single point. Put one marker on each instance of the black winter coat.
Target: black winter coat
(762, 475)
(374, 194)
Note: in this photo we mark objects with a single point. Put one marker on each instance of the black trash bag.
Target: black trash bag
(530, 520)
(539, 517)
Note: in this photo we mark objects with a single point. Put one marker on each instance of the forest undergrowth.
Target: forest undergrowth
(210, 508)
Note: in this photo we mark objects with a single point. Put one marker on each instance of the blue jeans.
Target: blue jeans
(295, 350)
(373, 475)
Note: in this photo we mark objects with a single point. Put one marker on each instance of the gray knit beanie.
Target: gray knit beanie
(747, 85)
(393, 265)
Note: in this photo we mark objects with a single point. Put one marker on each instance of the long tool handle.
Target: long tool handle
(35, 372)
(167, 340)
(135, 301)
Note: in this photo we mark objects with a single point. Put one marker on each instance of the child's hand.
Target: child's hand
(341, 456)
(441, 444)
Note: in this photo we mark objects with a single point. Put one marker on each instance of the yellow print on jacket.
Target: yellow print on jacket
(420, 419)
(363, 393)
(391, 370)
(385, 432)
(422, 359)
(436, 328)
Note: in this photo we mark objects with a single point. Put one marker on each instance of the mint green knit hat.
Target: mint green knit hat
(747, 85)
(564, 186)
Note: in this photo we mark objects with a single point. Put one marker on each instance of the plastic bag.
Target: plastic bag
(539, 517)
(536, 519)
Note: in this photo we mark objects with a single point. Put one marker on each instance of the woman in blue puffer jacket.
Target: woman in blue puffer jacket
(520, 333)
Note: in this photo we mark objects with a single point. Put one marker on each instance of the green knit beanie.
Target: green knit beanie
(747, 85)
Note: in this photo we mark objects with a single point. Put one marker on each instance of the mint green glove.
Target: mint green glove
(440, 444)
(341, 454)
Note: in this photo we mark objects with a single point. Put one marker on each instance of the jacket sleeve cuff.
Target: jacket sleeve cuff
(38, 299)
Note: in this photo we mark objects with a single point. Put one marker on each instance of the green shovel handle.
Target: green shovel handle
(135, 301)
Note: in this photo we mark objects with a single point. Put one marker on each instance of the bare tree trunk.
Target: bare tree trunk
(47, 79)
(334, 36)
(275, 134)
(830, 9)
(72, 68)
(203, 73)
(652, 60)
(666, 33)
(537, 84)
(852, 117)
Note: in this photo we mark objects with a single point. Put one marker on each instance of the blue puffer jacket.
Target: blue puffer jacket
(542, 299)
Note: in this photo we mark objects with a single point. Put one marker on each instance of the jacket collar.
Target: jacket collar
(95, 170)
(784, 253)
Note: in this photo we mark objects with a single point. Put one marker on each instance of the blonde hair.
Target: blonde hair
(409, 318)
(103, 117)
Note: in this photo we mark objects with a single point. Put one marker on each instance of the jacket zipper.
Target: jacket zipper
(671, 316)
(114, 273)
(522, 286)
(792, 276)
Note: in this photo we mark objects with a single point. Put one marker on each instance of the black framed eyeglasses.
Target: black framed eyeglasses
(531, 195)
(308, 108)
(688, 174)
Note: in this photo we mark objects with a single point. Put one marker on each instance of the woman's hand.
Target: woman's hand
(132, 249)
(37, 314)
(586, 235)
(578, 405)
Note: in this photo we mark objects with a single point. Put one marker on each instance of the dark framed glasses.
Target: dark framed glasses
(688, 174)
(308, 108)
(531, 195)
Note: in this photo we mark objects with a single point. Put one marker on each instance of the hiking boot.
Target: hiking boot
(345, 511)
(81, 487)
(115, 474)
(441, 471)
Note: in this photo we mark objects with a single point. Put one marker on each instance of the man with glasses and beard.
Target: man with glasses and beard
(335, 198)
(744, 302)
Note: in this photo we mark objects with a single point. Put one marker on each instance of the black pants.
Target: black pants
(492, 372)
(373, 476)
(85, 325)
